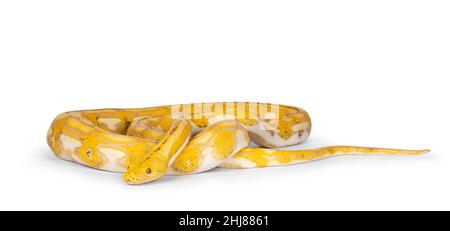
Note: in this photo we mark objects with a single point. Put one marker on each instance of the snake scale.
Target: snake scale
(148, 143)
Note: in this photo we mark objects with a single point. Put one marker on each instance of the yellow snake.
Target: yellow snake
(148, 143)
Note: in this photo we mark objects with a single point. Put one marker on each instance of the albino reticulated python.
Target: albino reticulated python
(149, 143)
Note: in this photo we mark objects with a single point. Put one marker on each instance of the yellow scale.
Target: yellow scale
(149, 143)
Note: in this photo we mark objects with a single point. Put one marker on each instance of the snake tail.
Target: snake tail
(263, 157)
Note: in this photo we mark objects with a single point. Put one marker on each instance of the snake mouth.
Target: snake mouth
(130, 178)
(134, 179)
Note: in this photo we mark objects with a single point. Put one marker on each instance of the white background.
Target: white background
(370, 73)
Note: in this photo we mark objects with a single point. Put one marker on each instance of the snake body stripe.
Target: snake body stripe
(149, 143)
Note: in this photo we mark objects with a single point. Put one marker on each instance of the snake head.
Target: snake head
(146, 170)
(154, 164)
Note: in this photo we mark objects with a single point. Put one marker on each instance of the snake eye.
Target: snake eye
(148, 171)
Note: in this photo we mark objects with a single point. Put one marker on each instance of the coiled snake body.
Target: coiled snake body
(149, 143)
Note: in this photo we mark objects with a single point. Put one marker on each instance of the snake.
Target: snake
(146, 144)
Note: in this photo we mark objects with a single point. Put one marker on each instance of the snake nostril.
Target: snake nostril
(89, 153)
